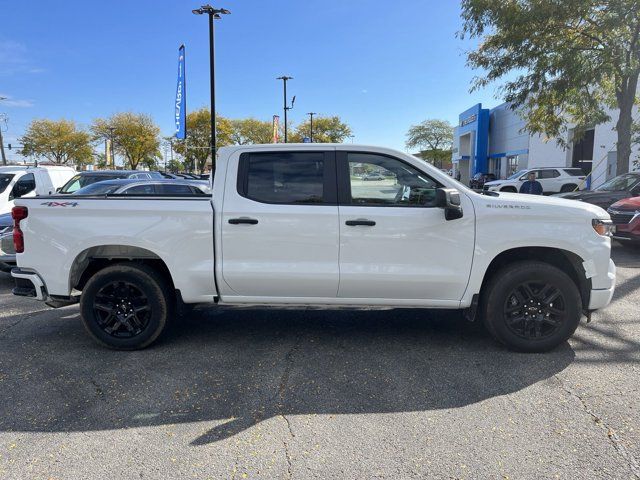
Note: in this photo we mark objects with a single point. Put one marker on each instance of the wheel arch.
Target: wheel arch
(567, 261)
(94, 259)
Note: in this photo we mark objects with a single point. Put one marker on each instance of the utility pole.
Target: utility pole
(311, 114)
(4, 157)
(214, 14)
(284, 79)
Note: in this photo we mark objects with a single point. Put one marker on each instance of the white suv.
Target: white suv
(553, 180)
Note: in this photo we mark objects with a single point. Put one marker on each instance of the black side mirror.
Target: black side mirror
(449, 200)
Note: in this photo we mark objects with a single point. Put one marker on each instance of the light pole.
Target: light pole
(311, 114)
(214, 14)
(4, 158)
(284, 79)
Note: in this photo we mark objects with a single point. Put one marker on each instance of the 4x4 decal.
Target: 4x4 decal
(60, 204)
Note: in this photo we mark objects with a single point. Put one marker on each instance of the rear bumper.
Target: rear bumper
(6, 266)
(601, 297)
(29, 284)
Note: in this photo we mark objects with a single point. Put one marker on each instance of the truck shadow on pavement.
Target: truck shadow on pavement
(235, 367)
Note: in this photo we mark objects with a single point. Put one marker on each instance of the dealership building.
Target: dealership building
(495, 141)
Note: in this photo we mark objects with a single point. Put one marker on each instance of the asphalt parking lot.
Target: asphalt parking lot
(312, 393)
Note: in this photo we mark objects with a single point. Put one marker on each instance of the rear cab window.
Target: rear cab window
(574, 172)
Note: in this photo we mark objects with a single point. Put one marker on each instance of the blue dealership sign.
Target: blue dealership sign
(181, 98)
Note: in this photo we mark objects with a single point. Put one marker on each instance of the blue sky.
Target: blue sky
(379, 65)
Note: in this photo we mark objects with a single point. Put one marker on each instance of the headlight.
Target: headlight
(606, 228)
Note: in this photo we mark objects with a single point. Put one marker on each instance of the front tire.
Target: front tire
(509, 189)
(126, 306)
(532, 306)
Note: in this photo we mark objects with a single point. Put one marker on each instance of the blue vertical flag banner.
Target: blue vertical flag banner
(181, 98)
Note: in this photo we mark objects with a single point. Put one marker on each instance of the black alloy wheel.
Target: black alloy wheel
(534, 310)
(121, 309)
(531, 306)
(127, 306)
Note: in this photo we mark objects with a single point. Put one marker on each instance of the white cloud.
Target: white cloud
(9, 101)
(14, 59)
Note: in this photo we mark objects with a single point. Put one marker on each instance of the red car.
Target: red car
(626, 217)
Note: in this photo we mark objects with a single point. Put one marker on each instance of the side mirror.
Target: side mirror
(58, 189)
(449, 200)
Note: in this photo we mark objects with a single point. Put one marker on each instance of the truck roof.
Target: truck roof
(16, 168)
(306, 146)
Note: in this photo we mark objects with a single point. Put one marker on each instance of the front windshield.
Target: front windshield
(5, 180)
(621, 183)
(79, 181)
(98, 188)
(516, 175)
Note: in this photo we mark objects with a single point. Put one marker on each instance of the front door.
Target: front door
(394, 242)
(280, 227)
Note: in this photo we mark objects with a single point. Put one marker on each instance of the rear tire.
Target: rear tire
(531, 306)
(126, 306)
(568, 188)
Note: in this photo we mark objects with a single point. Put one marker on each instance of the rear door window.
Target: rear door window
(140, 190)
(293, 178)
(546, 174)
(173, 189)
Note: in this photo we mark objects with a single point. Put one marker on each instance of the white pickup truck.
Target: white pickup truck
(22, 181)
(298, 224)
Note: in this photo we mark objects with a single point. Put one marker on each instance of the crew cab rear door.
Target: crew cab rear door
(394, 242)
(280, 229)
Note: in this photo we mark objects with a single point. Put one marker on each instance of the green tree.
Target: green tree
(196, 148)
(247, 131)
(566, 61)
(325, 130)
(175, 166)
(434, 138)
(57, 141)
(135, 137)
(100, 161)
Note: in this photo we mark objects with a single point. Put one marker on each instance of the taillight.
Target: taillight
(18, 213)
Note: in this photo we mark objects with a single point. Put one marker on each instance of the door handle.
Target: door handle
(243, 220)
(360, 221)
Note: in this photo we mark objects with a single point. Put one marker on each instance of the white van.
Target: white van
(20, 181)
(59, 174)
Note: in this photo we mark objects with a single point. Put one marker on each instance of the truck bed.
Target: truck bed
(176, 230)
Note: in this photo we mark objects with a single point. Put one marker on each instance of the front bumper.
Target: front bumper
(601, 297)
(29, 284)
